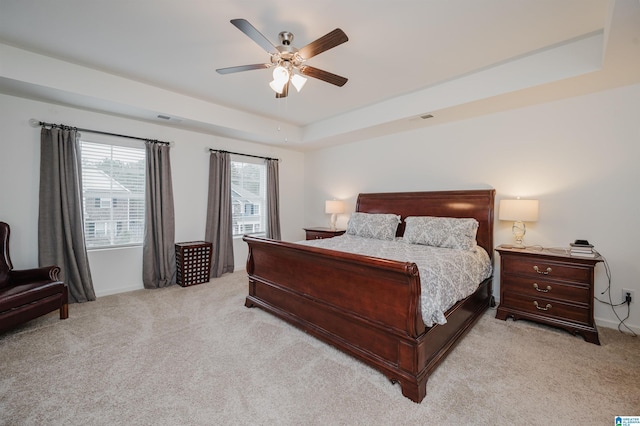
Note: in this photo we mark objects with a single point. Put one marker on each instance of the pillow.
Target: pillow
(380, 226)
(447, 232)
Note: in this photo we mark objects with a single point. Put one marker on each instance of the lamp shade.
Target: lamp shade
(280, 79)
(333, 206)
(280, 74)
(519, 210)
(298, 81)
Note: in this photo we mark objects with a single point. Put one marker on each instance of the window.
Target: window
(105, 203)
(249, 197)
(113, 192)
(251, 209)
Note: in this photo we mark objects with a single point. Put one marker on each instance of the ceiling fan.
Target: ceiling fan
(288, 63)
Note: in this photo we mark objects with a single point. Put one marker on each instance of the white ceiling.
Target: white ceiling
(404, 58)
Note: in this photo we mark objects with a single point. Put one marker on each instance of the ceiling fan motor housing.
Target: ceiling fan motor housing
(286, 52)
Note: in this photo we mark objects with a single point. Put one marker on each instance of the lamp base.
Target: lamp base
(332, 224)
(519, 229)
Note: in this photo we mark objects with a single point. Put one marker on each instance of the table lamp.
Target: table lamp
(333, 207)
(519, 211)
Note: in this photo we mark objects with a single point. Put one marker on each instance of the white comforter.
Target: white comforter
(446, 275)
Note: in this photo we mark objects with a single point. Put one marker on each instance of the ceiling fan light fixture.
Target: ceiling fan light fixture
(298, 81)
(278, 86)
(280, 79)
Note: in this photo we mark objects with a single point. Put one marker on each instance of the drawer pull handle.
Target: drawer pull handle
(535, 268)
(540, 308)
(541, 290)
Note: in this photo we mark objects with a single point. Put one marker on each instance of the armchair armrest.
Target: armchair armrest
(34, 274)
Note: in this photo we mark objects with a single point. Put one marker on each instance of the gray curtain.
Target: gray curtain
(60, 221)
(273, 200)
(158, 251)
(219, 228)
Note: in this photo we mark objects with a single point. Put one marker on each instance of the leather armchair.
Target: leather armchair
(29, 293)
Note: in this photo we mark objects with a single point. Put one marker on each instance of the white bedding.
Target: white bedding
(446, 275)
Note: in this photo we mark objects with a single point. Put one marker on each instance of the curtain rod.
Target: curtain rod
(244, 155)
(35, 123)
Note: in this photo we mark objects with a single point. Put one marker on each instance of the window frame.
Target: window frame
(92, 228)
(261, 206)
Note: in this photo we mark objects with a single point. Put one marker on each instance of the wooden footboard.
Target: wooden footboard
(366, 307)
(369, 307)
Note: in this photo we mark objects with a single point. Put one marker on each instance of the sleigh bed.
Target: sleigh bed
(367, 306)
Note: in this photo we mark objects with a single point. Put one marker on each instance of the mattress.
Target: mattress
(446, 275)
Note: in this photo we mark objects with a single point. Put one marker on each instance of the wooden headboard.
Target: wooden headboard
(478, 204)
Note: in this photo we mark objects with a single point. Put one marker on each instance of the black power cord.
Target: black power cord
(627, 302)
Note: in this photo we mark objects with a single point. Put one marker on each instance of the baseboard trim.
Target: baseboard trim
(118, 290)
(614, 324)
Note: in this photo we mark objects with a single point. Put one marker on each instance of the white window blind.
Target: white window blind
(113, 194)
(249, 198)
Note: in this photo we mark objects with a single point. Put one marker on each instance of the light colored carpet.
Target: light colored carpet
(197, 356)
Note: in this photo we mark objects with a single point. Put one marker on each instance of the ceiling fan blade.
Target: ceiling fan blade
(255, 35)
(323, 75)
(230, 70)
(324, 43)
(285, 92)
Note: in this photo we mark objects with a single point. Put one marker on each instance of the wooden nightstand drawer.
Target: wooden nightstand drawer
(547, 269)
(312, 235)
(547, 308)
(534, 287)
(319, 233)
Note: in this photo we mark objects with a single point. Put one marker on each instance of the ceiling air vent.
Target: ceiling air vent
(168, 118)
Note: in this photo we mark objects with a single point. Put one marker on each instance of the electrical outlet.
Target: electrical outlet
(631, 292)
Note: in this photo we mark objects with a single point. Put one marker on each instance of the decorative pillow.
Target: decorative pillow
(380, 226)
(447, 232)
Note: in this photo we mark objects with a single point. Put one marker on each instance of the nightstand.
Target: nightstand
(548, 287)
(319, 233)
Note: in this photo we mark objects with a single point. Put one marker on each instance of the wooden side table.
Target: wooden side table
(548, 287)
(319, 233)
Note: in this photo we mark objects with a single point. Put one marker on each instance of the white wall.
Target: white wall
(121, 269)
(578, 156)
